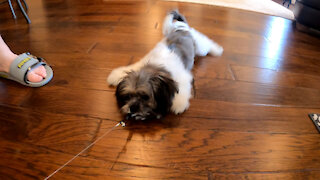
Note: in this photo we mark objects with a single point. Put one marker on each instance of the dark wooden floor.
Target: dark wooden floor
(248, 119)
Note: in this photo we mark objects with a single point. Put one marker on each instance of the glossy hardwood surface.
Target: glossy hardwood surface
(248, 119)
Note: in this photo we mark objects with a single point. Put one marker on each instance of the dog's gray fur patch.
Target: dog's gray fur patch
(181, 43)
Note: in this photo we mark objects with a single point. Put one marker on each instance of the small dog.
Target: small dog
(162, 80)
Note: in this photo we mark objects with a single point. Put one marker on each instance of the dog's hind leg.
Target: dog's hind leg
(204, 45)
(180, 102)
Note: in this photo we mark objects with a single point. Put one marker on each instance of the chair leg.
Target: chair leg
(12, 11)
(25, 5)
(23, 12)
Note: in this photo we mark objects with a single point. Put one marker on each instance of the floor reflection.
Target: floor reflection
(276, 40)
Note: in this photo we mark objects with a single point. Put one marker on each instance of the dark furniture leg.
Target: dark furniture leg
(23, 12)
(12, 11)
(25, 5)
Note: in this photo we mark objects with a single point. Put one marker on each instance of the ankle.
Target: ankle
(6, 60)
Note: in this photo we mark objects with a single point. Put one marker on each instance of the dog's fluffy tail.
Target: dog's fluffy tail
(177, 16)
(173, 21)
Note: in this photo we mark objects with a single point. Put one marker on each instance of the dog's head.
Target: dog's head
(146, 94)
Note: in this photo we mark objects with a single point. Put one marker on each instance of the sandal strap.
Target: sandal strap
(21, 65)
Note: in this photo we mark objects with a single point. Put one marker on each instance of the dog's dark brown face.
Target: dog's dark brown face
(146, 94)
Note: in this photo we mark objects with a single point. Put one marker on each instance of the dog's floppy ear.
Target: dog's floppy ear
(121, 98)
(164, 89)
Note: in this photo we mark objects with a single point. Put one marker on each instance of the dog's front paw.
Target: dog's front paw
(116, 76)
(180, 103)
(216, 50)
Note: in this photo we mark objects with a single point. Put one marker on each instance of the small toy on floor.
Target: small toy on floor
(316, 120)
(122, 123)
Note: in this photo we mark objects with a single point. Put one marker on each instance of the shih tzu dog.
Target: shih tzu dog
(162, 80)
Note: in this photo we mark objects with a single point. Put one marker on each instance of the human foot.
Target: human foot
(22, 65)
(7, 57)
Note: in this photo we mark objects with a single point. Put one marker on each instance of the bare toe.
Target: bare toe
(34, 77)
(40, 71)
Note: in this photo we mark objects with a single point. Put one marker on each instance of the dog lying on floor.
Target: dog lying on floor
(162, 80)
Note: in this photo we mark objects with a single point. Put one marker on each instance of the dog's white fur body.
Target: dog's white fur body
(162, 56)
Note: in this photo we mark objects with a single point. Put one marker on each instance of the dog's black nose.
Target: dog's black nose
(134, 108)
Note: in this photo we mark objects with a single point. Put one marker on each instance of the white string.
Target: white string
(83, 150)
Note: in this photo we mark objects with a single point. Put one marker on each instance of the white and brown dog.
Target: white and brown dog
(162, 80)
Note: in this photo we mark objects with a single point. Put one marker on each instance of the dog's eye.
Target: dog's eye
(145, 97)
(126, 97)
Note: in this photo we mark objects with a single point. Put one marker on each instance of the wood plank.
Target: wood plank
(291, 64)
(216, 151)
(58, 132)
(267, 76)
(212, 68)
(162, 155)
(84, 102)
(245, 92)
(265, 176)
(90, 168)
(12, 93)
(242, 117)
(34, 143)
